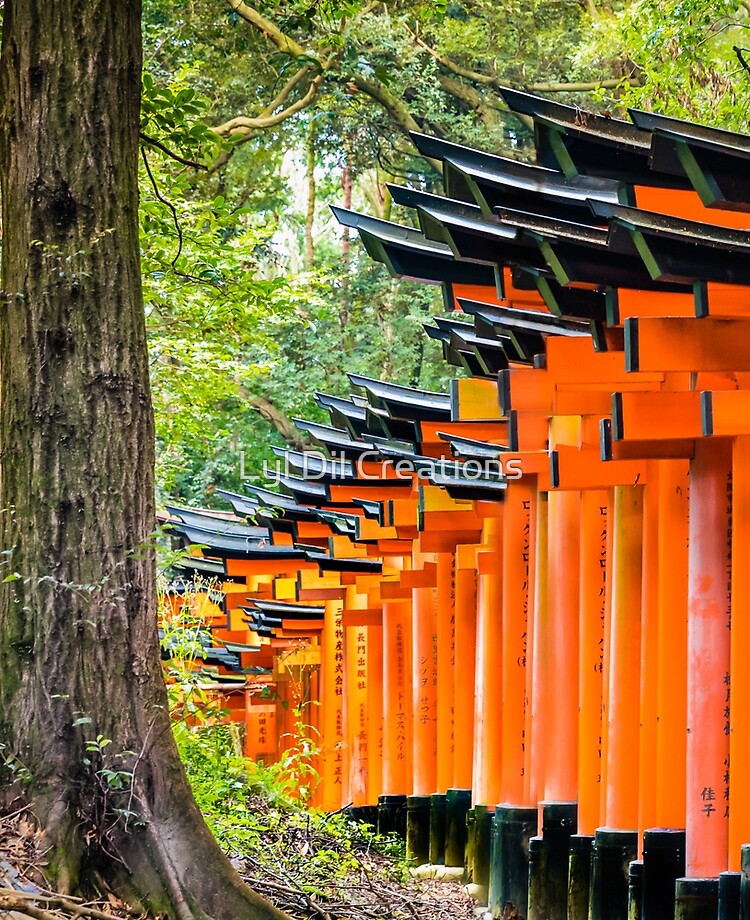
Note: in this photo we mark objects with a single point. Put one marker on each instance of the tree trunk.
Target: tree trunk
(346, 250)
(311, 197)
(294, 437)
(79, 657)
(346, 246)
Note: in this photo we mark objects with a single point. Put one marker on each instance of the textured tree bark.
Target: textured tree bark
(78, 634)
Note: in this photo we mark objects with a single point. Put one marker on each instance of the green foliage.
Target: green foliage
(251, 814)
(172, 114)
(184, 626)
(222, 327)
(207, 305)
(226, 323)
(293, 777)
(683, 52)
(217, 774)
(13, 770)
(374, 327)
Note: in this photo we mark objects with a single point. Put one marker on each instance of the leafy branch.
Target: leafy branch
(244, 126)
(486, 79)
(171, 153)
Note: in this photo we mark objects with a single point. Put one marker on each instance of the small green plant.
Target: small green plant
(110, 779)
(107, 782)
(16, 771)
(294, 775)
(184, 626)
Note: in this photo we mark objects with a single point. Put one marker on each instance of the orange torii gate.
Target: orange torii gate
(705, 294)
(533, 586)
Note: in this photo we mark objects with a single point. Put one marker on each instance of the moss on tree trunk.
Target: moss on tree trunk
(79, 652)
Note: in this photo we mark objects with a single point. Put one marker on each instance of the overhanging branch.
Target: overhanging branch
(171, 153)
(282, 41)
(244, 125)
(282, 423)
(740, 52)
(396, 108)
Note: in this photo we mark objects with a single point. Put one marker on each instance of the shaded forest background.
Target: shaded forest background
(257, 118)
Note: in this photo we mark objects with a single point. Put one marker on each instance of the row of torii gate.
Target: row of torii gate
(527, 602)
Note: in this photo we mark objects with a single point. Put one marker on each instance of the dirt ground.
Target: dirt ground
(372, 887)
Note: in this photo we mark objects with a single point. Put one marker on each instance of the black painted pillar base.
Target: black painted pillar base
(437, 829)
(513, 827)
(663, 863)
(364, 814)
(470, 846)
(548, 862)
(457, 803)
(745, 882)
(392, 815)
(612, 854)
(696, 899)
(729, 895)
(635, 890)
(579, 876)
(493, 893)
(536, 903)
(418, 829)
(483, 817)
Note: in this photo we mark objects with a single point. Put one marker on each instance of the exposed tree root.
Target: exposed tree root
(181, 871)
(47, 906)
(164, 866)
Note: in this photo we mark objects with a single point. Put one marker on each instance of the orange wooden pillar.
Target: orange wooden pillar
(537, 715)
(709, 610)
(332, 691)
(260, 731)
(375, 713)
(467, 582)
(424, 663)
(623, 647)
(558, 642)
(356, 697)
(446, 667)
(487, 772)
(593, 605)
(672, 558)
(604, 739)
(739, 690)
(649, 659)
(397, 698)
(285, 703)
(313, 719)
(518, 567)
